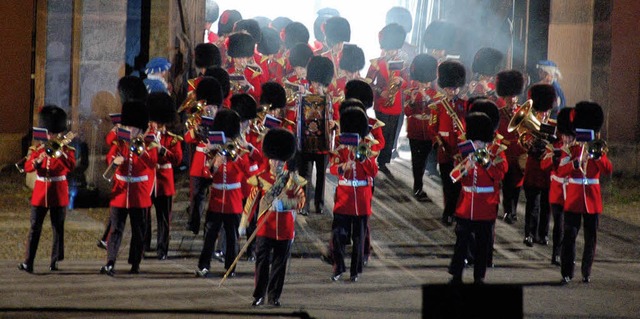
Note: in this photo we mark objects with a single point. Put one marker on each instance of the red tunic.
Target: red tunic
(418, 112)
(170, 158)
(515, 153)
(254, 76)
(226, 188)
(379, 75)
(199, 158)
(354, 191)
(556, 184)
(277, 224)
(51, 188)
(582, 191)
(442, 128)
(480, 195)
(132, 184)
(376, 133)
(272, 68)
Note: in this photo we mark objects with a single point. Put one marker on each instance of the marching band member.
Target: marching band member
(211, 13)
(299, 57)
(293, 34)
(439, 38)
(337, 31)
(319, 74)
(51, 189)
(241, 48)
(319, 46)
(447, 127)
(206, 55)
(486, 63)
(136, 158)
(273, 67)
(388, 76)
(352, 207)
(163, 113)
(351, 62)
(228, 167)
(509, 85)
(583, 164)
(536, 179)
(551, 160)
(477, 208)
(418, 96)
(208, 90)
(278, 194)
(227, 20)
(274, 100)
(402, 16)
(222, 76)
(362, 91)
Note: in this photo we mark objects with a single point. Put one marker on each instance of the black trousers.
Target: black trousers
(342, 227)
(536, 216)
(270, 253)
(419, 153)
(198, 198)
(571, 228)
(389, 131)
(57, 216)
(558, 229)
(163, 205)
(118, 217)
(307, 162)
(213, 222)
(510, 190)
(481, 231)
(450, 190)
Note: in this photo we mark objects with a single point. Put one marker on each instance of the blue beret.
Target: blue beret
(157, 65)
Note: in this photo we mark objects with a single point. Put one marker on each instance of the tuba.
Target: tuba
(53, 147)
(527, 126)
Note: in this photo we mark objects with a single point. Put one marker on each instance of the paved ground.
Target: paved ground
(411, 249)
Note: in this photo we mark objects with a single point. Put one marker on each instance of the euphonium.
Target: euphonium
(195, 110)
(292, 91)
(528, 127)
(596, 148)
(53, 147)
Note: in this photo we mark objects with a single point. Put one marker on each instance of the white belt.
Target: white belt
(202, 149)
(353, 182)
(478, 189)
(443, 133)
(560, 180)
(584, 181)
(52, 178)
(253, 168)
(226, 186)
(164, 166)
(132, 179)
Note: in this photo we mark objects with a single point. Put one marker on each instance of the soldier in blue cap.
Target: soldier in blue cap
(156, 70)
(550, 74)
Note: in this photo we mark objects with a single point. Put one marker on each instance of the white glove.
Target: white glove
(242, 231)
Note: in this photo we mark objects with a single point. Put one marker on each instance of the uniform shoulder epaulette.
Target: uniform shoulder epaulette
(176, 137)
(255, 69)
(253, 181)
(374, 63)
(378, 124)
(434, 105)
(152, 145)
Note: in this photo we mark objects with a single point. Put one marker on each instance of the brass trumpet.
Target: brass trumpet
(597, 148)
(137, 146)
(20, 164)
(53, 147)
(363, 151)
(481, 156)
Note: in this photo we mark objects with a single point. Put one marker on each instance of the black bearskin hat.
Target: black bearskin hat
(487, 61)
(228, 19)
(401, 16)
(263, 22)
(354, 120)
(211, 11)
(162, 108)
(359, 90)
(391, 37)
(241, 45)
(543, 96)
(564, 125)
(209, 89)
(206, 55)
(274, 95)
(53, 118)
(589, 115)
(352, 59)
(222, 76)
(270, 43)
(227, 121)
(135, 114)
(279, 23)
(479, 127)
(131, 88)
(347, 103)
(509, 83)
(331, 12)
(294, 33)
(424, 68)
(245, 105)
(250, 26)
(337, 29)
(300, 55)
(318, 34)
(486, 106)
(320, 69)
(279, 144)
(451, 74)
(440, 35)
